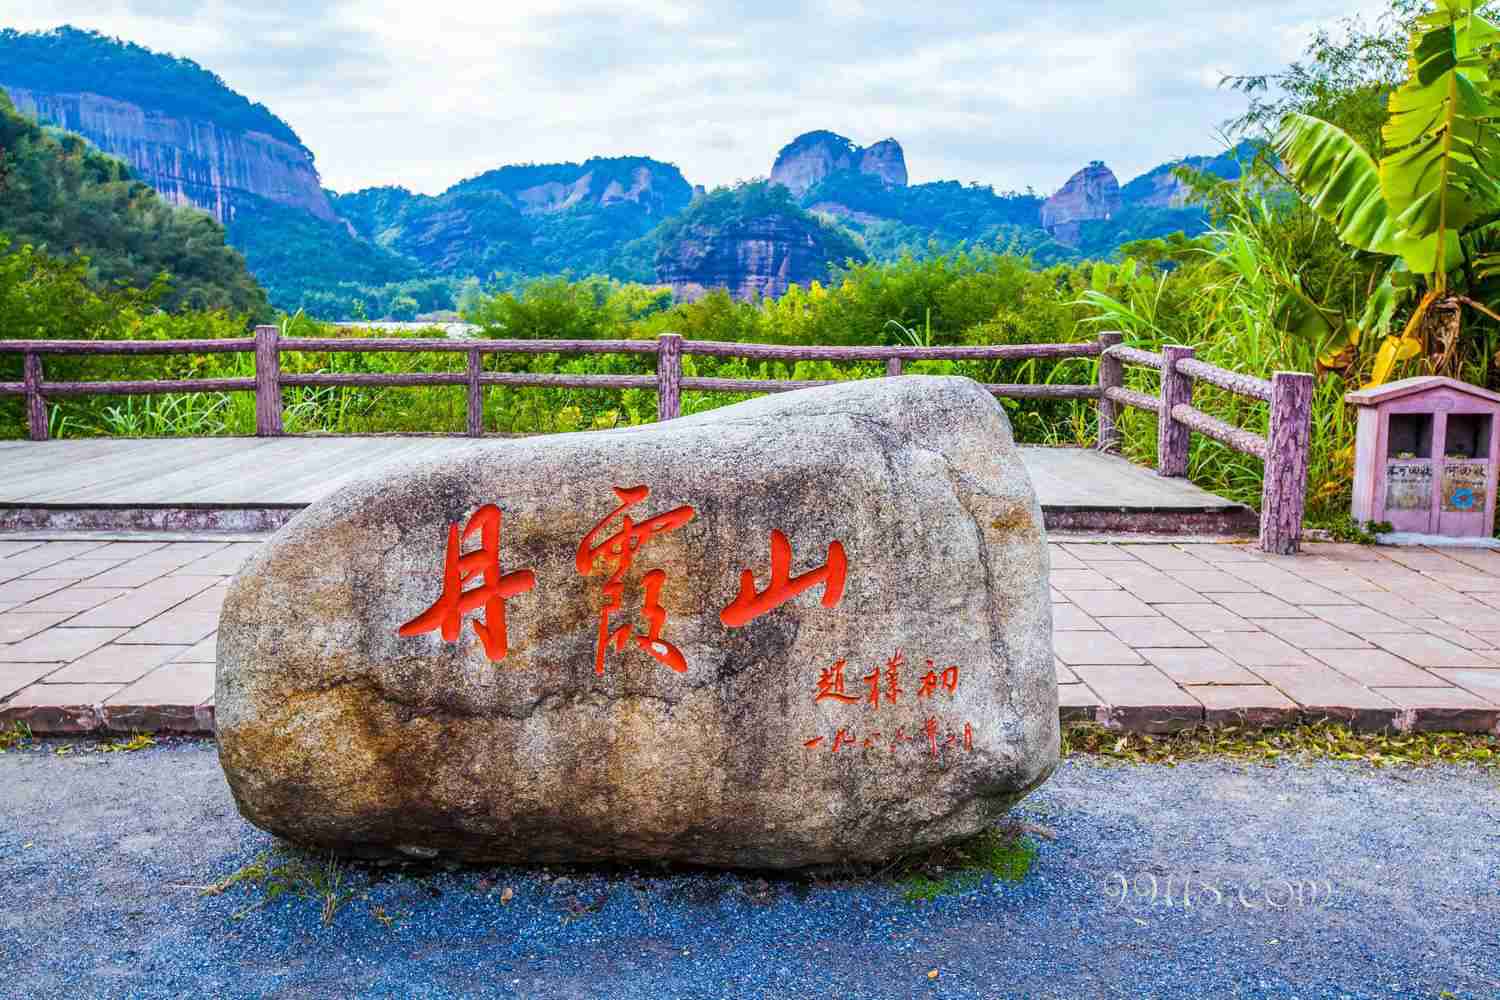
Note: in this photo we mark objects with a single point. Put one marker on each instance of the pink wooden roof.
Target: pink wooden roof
(1422, 383)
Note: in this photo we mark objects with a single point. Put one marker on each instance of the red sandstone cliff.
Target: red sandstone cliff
(757, 257)
(188, 162)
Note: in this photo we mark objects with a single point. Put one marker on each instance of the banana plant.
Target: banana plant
(1432, 201)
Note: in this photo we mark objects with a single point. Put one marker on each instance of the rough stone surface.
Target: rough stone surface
(1091, 193)
(885, 160)
(335, 731)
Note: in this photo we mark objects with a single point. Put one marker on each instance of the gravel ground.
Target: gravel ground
(99, 854)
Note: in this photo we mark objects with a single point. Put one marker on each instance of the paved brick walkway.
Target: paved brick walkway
(1150, 636)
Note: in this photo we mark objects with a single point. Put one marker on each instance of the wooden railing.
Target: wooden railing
(1284, 451)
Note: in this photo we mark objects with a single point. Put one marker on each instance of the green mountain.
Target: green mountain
(866, 190)
(526, 220)
(180, 129)
(50, 62)
(919, 219)
(59, 195)
(386, 251)
(1158, 202)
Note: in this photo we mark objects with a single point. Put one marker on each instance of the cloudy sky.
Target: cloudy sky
(1002, 92)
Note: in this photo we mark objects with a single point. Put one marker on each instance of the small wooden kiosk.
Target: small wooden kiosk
(1426, 455)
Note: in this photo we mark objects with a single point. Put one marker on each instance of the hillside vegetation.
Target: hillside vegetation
(68, 59)
(59, 195)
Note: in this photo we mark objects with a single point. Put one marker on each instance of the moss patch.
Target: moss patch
(1006, 853)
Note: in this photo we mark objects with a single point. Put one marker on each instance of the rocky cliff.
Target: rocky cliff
(1092, 193)
(1160, 187)
(752, 240)
(804, 162)
(187, 161)
(759, 258)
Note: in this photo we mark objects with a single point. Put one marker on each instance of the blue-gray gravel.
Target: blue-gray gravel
(100, 854)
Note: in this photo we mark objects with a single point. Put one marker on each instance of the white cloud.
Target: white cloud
(1008, 93)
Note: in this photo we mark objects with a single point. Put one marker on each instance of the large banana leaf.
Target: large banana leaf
(1438, 175)
(1342, 184)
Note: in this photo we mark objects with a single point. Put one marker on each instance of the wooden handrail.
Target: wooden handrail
(227, 345)
(413, 345)
(1135, 356)
(145, 388)
(1284, 449)
(1244, 385)
(1222, 431)
(1130, 397)
(995, 352)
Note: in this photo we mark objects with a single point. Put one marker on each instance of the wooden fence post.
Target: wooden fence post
(35, 402)
(669, 376)
(1288, 443)
(36, 405)
(475, 405)
(1172, 437)
(1111, 376)
(268, 382)
(892, 366)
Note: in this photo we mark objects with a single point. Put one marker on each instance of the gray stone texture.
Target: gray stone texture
(337, 732)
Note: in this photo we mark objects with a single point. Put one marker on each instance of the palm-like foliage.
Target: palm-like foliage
(1432, 200)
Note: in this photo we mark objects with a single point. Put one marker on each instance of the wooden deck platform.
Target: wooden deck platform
(256, 484)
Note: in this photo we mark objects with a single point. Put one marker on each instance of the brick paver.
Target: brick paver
(1249, 704)
(1150, 635)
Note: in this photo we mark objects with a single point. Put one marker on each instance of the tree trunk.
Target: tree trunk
(1440, 330)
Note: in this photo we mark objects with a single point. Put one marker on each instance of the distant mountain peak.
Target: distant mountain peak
(1091, 193)
(804, 162)
(657, 188)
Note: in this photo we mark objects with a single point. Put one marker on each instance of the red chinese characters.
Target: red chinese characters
(447, 612)
(750, 604)
(891, 677)
(883, 686)
(620, 549)
(937, 743)
(831, 685)
(931, 680)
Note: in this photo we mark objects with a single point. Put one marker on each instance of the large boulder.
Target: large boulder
(677, 654)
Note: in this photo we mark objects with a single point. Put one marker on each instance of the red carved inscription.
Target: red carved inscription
(447, 612)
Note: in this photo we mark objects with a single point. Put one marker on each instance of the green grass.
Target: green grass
(285, 873)
(1309, 742)
(137, 741)
(14, 736)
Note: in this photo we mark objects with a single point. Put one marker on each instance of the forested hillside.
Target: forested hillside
(64, 198)
(67, 59)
